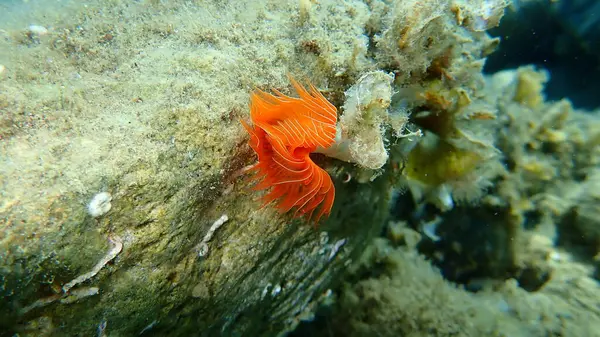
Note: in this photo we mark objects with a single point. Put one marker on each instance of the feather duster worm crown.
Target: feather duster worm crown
(285, 131)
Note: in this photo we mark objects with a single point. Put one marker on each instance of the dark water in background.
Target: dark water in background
(564, 39)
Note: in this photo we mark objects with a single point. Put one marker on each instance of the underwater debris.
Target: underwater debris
(285, 131)
(42, 302)
(78, 294)
(116, 249)
(203, 246)
(37, 30)
(70, 296)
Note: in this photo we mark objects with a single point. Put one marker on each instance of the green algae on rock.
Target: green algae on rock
(141, 102)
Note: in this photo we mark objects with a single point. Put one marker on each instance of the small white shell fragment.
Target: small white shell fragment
(100, 204)
(336, 246)
(38, 30)
(276, 290)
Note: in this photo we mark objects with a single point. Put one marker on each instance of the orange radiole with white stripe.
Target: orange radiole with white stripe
(284, 131)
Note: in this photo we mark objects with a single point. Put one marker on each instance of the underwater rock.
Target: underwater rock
(139, 104)
(141, 110)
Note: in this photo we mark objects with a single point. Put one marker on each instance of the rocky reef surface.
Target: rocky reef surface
(125, 210)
